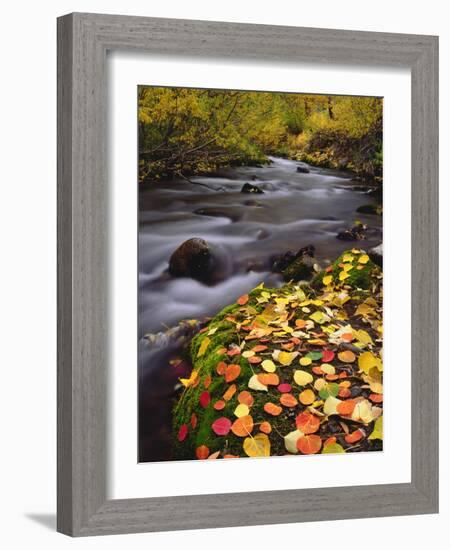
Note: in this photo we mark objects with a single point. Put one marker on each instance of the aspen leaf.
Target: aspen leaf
(327, 355)
(307, 397)
(255, 384)
(327, 280)
(268, 365)
(257, 446)
(182, 432)
(272, 409)
(347, 356)
(203, 346)
(230, 392)
(290, 441)
(327, 368)
(330, 405)
(221, 426)
(268, 379)
(241, 410)
(243, 426)
(202, 452)
(363, 259)
(232, 372)
(346, 407)
(305, 361)
(332, 448)
(377, 432)
(343, 275)
(219, 405)
(355, 436)
(288, 400)
(284, 388)
(368, 361)
(242, 300)
(204, 399)
(309, 444)
(307, 423)
(265, 427)
(302, 378)
(286, 358)
(246, 398)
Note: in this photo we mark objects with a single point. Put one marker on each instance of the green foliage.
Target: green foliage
(188, 131)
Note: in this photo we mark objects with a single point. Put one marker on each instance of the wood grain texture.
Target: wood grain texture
(83, 40)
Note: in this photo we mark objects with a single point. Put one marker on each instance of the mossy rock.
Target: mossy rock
(300, 269)
(362, 275)
(228, 339)
(376, 209)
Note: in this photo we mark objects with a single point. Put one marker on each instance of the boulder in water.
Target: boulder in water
(369, 209)
(249, 188)
(193, 258)
(356, 233)
(303, 169)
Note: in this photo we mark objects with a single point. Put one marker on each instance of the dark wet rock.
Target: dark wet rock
(282, 261)
(303, 267)
(254, 178)
(249, 188)
(376, 254)
(195, 259)
(369, 209)
(303, 169)
(356, 233)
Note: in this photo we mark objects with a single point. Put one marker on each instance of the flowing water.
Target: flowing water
(246, 231)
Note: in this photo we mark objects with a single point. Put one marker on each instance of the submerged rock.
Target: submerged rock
(194, 258)
(303, 169)
(369, 209)
(356, 233)
(249, 188)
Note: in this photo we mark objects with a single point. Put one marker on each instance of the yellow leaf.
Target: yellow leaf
(347, 267)
(305, 361)
(363, 337)
(327, 368)
(257, 446)
(319, 317)
(268, 365)
(377, 430)
(255, 384)
(347, 257)
(187, 382)
(241, 410)
(343, 275)
(302, 378)
(290, 441)
(330, 405)
(328, 279)
(203, 346)
(286, 358)
(363, 259)
(368, 361)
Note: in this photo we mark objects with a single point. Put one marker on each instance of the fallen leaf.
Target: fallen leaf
(219, 405)
(193, 421)
(232, 372)
(182, 432)
(345, 408)
(242, 300)
(286, 358)
(221, 368)
(302, 378)
(272, 409)
(202, 452)
(307, 397)
(204, 399)
(230, 392)
(332, 448)
(368, 361)
(214, 455)
(330, 405)
(309, 444)
(355, 436)
(290, 441)
(265, 427)
(288, 400)
(241, 410)
(327, 355)
(255, 384)
(284, 388)
(242, 426)
(305, 361)
(328, 279)
(363, 259)
(246, 398)
(257, 446)
(347, 356)
(221, 426)
(203, 346)
(307, 423)
(268, 365)
(268, 379)
(377, 432)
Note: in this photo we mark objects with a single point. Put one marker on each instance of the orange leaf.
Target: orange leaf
(309, 444)
(265, 427)
(255, 360)
(243, 426)
(219, 405)
(242, 300)
(269, 379)
(347, 337)
(307, 423)
(355, 436)
(245, 398)
(272, 409)
(193, 421)
(259, 348)
(207, 381)
(317, 370)
(346, 407)
(202, 452)
(232, 372)
(230, 456)
(347, 356)
(221, 368)
(330, 441)
(344, 393)
(288, 400)
(376, 398)
(307, 397)
(230, 392)
(300, 323)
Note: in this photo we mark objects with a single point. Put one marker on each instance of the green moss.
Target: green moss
(358, 278)
(300, 269)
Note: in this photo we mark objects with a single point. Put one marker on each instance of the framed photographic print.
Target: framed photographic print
(247, 270)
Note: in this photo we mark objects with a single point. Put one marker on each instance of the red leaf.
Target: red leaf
(221, 426)
(202, 452)
(182, 433)
(327, 355)
(284, 388)
(232, 372)
(205, 399)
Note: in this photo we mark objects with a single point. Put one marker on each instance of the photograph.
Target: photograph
(260, 290)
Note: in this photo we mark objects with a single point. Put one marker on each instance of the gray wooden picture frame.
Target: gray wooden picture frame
(83, 41)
